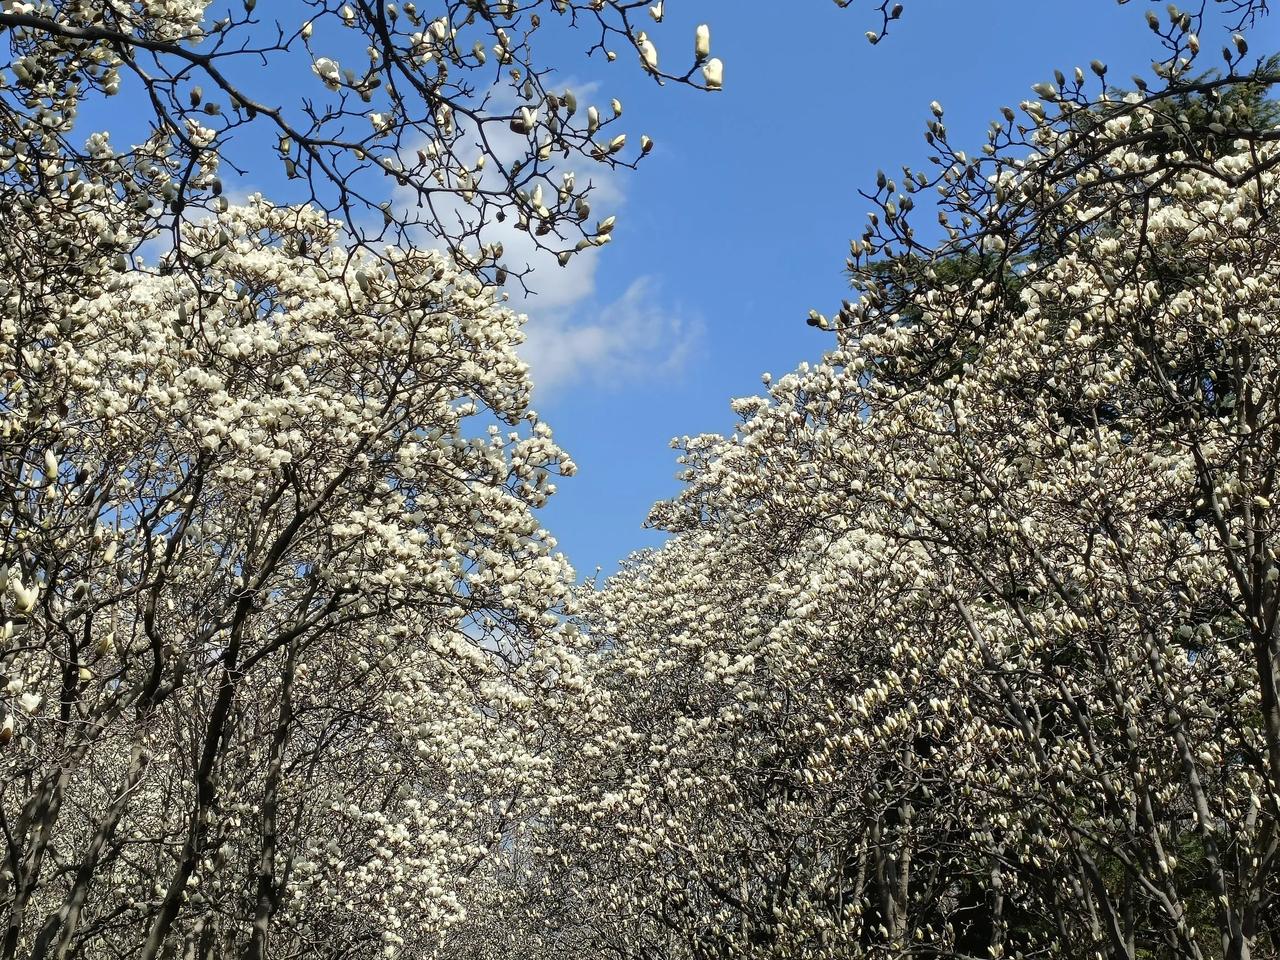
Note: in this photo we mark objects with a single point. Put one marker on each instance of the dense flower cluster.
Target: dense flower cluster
(966, 642)
(444, 102)
(280, 643)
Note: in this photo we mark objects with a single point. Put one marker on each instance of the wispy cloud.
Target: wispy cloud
(635, 337)
(576, 335)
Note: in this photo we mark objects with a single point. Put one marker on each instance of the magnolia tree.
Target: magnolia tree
(1021, 199)
(1239, 14)
(282, 655)
(964, 644)
(966, 641)
(446, 102)
(280, 647)
(978, 665)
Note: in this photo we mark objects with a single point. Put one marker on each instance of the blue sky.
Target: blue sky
(738, 223)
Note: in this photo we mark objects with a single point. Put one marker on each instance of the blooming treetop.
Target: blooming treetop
(446, 102)
(280, 633)
(966, 641)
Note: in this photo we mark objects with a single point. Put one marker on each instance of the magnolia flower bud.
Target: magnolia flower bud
(24, 598)
(525, 120)
(702, 41)
(648, 52)
(713, 73)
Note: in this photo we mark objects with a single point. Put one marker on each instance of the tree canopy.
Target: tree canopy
(963, 644)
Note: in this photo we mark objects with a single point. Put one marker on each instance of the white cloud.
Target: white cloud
(575, 334)
(572, 336)
(635, 337)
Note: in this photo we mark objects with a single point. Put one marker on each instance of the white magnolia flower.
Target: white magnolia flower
(713, 73)
(328, 71)
(648, 52)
